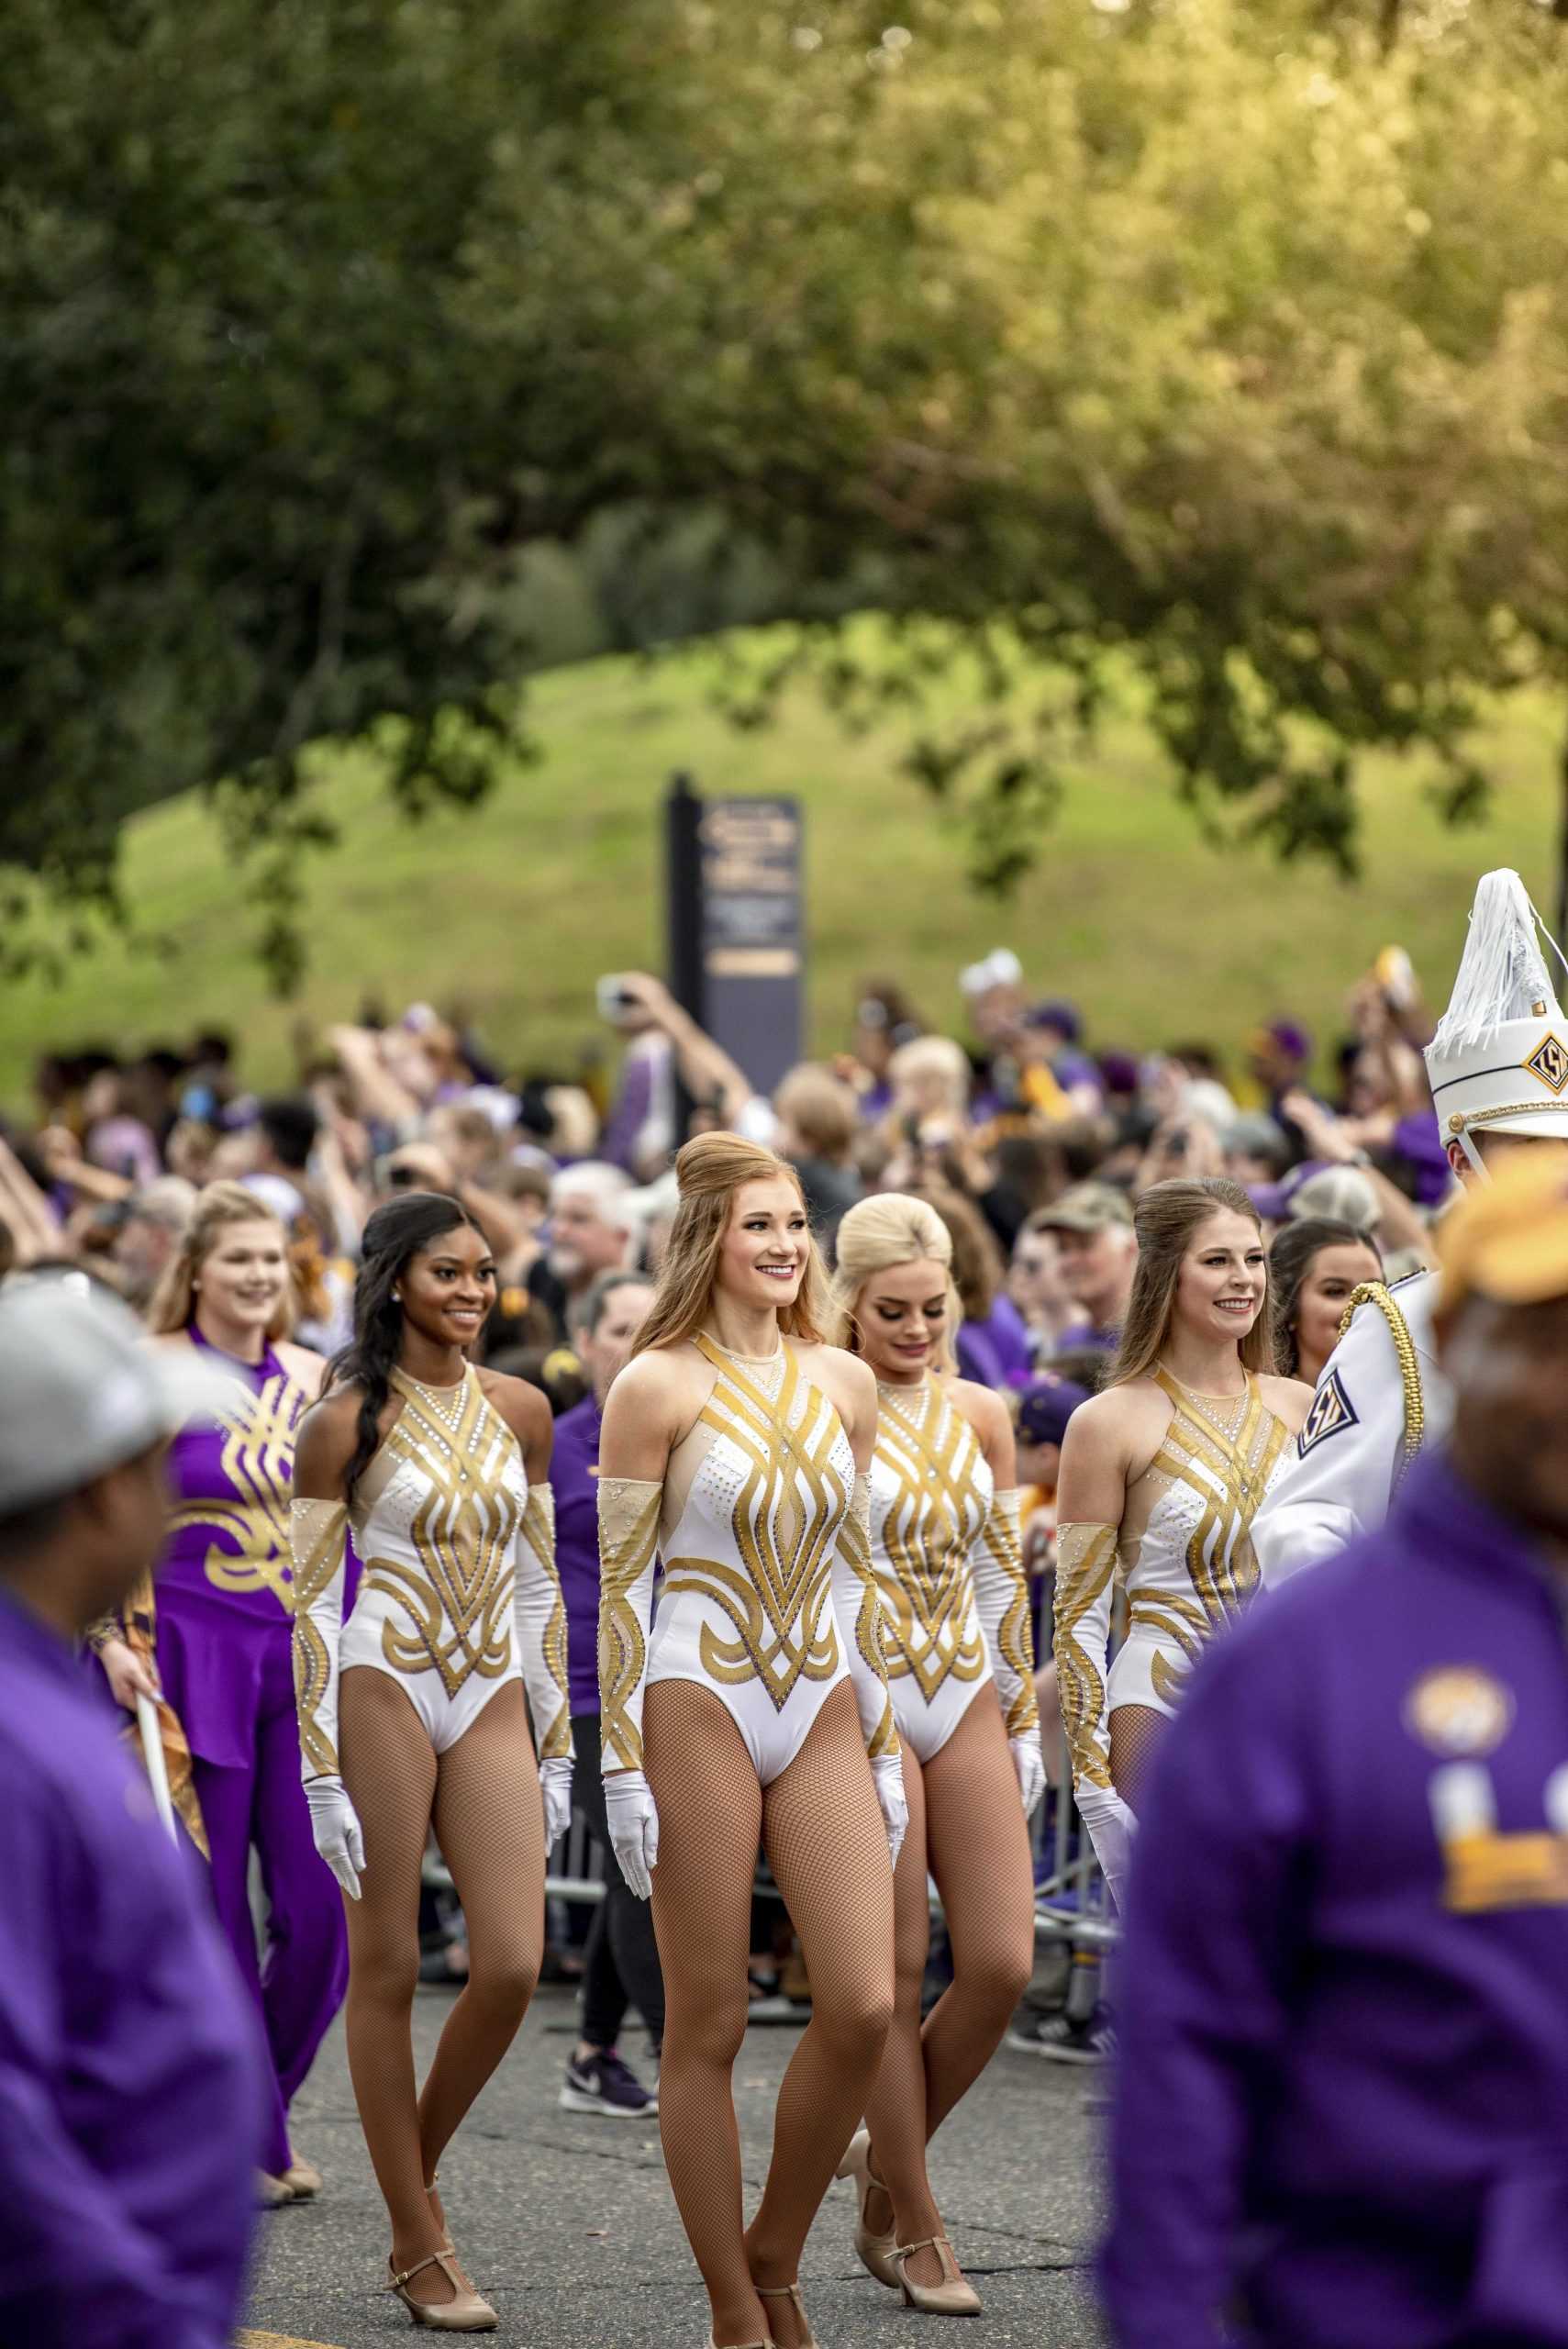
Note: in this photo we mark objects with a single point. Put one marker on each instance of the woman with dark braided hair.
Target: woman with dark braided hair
(411, 1712)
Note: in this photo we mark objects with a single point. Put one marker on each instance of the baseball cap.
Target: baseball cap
(83, 1390)
(1507, 1238)
(1045, 1409)
(1087, 1207)
(1342, 1194)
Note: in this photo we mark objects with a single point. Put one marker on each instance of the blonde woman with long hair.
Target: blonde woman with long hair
(221, 1636)
(944, 1550)
(736, 1443)
(1161, 1476)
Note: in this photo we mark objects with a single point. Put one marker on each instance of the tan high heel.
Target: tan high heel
(954, 2296)
(873, 2251)
(464, 2312)
(302, 2178)
(712, 2343)
(790, 2292)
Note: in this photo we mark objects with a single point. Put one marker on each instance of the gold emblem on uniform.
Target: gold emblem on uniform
(1458, 1710)
(1550, 1061)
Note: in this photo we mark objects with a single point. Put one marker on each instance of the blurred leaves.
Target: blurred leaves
(1226, 337)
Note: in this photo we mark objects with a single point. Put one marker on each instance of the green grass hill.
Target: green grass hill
(513, 909)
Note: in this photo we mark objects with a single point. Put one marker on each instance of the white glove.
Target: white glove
(1111, 1826)
(634, 1828)
(335, 1828)
(1029, 1766)
(555, 1786)
(888, 1778)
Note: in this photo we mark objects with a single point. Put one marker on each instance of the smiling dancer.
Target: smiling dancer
(736, 1444)
(1164, 1472)
(222, 1618)
(411, 1712)
(944, 1549)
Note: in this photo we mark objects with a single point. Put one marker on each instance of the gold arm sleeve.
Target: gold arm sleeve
(1086, 1575)
(317, 1531)
(857, 1599)
(1002, 1596)
(628, 1539)
(539, 1613)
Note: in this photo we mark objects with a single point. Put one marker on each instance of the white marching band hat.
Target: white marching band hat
(1499, 1063)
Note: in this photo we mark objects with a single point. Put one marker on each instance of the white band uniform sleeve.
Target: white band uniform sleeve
(1350, 1455)
(318, 1536)
(539, 1615)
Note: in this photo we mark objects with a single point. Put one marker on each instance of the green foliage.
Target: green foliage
(514, 909)
(1225, 337)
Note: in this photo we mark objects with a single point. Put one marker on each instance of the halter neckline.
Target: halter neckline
(747, 1362)
(424, 1385)
(1198, 1394)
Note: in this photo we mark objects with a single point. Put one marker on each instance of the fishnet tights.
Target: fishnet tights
(1136, 1732)
(827, 1849)
(482, 1797)
(967, 1826)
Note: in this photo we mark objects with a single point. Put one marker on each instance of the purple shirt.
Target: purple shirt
(131, 2070)
(572, 1464)
(1342, 2088)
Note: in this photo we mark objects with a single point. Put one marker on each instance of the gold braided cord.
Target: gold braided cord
(539, 1532)
(628, 1534)
(1374, 1293)
(1015, 1635)
(316, 1530)
(1085, 1567)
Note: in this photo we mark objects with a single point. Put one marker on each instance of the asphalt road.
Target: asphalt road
(568, 2226)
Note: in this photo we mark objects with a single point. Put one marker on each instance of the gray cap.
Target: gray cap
(82, 1389)
(1087, 1207)
(1342, 1193)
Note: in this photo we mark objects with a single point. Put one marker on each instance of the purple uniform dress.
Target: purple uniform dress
(225, 1614)
(1343, 2077)
(131, 2070)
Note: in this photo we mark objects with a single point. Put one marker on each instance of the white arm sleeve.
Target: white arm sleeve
(1086, 1581)
(1349, 1456)
(858, 1604)
(1002, 1597)
(540, 1616)
(319, 1531)
(629, 1538)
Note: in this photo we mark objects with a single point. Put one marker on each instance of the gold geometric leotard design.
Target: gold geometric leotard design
(788, 1495)
(1185, 1551)
(931, 1493)
(454, 1583)
(257, 1460)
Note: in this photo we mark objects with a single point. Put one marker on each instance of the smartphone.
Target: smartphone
(613, 1000)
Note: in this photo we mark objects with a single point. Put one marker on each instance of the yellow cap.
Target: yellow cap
(1509, 1239)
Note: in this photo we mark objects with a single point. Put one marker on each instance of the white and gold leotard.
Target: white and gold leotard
(766, 1598)
(944, 1549)
(459, 1592)
(1185, 1552)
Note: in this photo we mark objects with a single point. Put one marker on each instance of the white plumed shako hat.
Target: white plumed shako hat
(1499, 1063)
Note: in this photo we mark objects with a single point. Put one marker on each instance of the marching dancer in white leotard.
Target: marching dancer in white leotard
(945, 1553)
(411, 1713)
(1162, 1475)
(737, 1442)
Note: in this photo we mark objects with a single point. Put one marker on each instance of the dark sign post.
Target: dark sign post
(735, 954)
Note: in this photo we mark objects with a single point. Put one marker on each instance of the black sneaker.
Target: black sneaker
(604, 2084)
(1062, 2041)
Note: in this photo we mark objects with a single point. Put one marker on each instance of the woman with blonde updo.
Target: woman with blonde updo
(221, 1636)
(1161, 1476)
(736, 1444)
(944, 1550)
